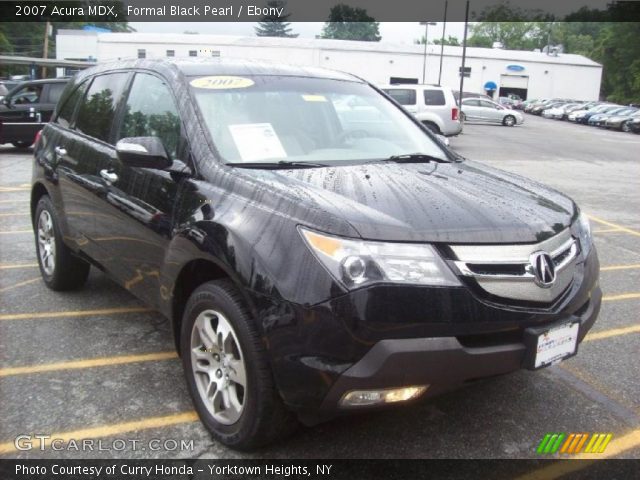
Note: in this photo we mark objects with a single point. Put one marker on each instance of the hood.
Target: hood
(449, 202)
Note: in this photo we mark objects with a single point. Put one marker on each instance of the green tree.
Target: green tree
(273, 25)
(450, 40)
(348, 23)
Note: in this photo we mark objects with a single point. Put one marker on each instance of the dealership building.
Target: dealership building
(528, 74)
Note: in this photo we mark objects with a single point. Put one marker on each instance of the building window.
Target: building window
(142, 53)
(171, 53)
(193, 53)
(215, 53)
(467, 71)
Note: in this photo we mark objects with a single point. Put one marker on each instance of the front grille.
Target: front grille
(506, 271)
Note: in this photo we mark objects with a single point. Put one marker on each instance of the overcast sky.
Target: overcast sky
(393, 32)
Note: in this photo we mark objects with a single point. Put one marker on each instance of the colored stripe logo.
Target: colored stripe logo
(573, 443)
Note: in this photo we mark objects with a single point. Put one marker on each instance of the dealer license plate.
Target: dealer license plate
(556, 344)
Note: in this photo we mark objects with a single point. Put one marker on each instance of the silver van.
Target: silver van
(434, 106)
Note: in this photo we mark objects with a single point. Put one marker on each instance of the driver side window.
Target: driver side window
(27, 95)
(151, 112)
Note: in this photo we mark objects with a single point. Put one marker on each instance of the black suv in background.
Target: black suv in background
(26, 108)
(316, 249)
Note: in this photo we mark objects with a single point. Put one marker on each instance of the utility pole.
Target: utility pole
(426, 41)
(464, 53)
(45, 49)
(444, 27)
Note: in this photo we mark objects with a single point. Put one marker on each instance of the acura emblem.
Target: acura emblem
(544, 271)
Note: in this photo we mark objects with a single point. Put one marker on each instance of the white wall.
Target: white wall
(548, 79)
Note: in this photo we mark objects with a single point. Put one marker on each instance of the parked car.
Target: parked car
(311, 263)
(577, 115)
(434, 106)
(584, 117)
(621, 121)
(634, 125)
(480, 110)
(599, 119)
(27, 108)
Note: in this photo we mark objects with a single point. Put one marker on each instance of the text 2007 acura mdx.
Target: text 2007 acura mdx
(316, 250)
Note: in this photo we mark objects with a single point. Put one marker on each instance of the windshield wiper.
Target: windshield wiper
(277, 165)
(415, 158)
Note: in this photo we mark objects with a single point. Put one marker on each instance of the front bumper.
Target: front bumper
(440, 362)
(396, 336)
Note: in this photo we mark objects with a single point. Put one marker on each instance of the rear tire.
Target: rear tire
(509, 121)
(227, 370)
(21, 144)
(626, 127)
(60, 269)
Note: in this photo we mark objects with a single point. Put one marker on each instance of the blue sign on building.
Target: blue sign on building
(515, 68)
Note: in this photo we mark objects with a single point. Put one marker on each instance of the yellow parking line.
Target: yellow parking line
(17, 200)
(75, 313)
(614, 332)
(14, 189)
(607, 230)
(20, 214)
(622, 296)
(88, 363)
(620, 267)
(613, 225)
(14, 232)
(9, 266)
(110, 430)
(20, 284)
(559, 469)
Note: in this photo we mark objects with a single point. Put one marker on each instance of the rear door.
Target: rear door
(83, 149)
(490, 112)
(472, 110)
(138, 207)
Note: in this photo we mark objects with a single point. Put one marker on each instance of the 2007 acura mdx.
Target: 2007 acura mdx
(315, 248)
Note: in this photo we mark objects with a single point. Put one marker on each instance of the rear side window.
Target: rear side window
(404, 96)
(55, 91)
(96, 113)
(151, 112)
(434, 97)
(472, 103)
(65, 117)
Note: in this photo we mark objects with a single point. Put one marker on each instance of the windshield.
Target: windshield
(298, 119)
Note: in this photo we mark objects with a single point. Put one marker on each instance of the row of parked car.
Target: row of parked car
(599, 114)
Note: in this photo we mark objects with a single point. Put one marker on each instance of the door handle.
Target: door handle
(60, 152)
(110, 177)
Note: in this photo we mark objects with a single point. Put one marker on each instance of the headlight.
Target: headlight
(355, 263)
(584, 234)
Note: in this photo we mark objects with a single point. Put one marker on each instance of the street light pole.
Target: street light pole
(444, 26)
(426, 40)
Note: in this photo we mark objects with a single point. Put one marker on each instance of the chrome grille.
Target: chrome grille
(506, 270)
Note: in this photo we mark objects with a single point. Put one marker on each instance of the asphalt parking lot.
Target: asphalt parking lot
(97, 364)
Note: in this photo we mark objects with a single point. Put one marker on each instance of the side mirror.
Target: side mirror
(143, 152)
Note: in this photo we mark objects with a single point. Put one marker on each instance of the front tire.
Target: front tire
(626, 127)
(509, 121)
(61, 270)
(227, 370)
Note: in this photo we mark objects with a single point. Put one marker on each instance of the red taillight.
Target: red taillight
(38, 135)
(454, 113)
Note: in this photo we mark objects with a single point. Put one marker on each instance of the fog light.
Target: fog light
(363, 398)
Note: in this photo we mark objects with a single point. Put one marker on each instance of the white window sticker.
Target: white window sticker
(257, 141)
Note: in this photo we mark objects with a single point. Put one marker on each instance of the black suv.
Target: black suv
(315, 248)
(27, 108)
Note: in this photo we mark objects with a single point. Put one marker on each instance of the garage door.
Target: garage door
(514, 81)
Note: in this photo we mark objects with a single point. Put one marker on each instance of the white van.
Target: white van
(434, 106)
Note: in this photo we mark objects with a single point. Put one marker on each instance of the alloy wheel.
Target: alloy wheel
(218, 367)
(46, 242)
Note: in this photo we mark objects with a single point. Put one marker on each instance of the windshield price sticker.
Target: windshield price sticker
(257, 141)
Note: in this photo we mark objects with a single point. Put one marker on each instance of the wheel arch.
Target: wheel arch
(191, 275)
(37, 192)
